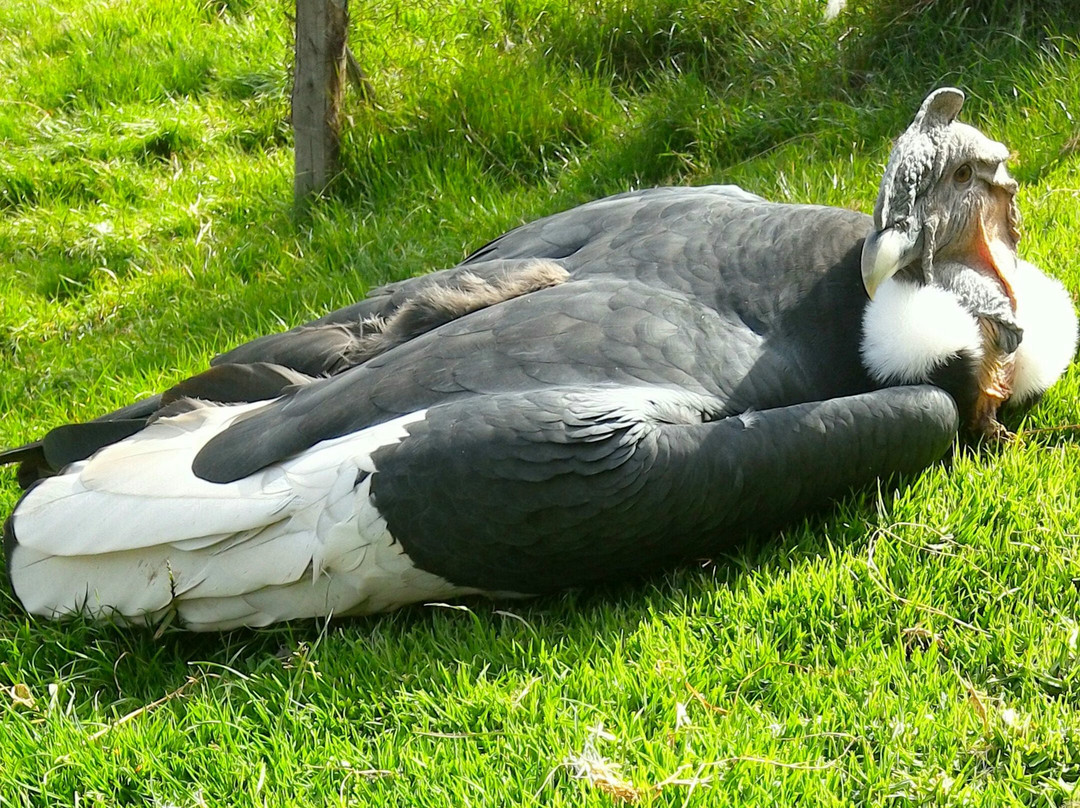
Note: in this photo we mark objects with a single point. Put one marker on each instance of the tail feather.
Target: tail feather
(63, 445)
(132, 534)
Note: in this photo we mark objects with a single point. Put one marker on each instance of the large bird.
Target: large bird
(638, 380)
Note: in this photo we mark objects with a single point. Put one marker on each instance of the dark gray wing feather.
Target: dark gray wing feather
(530, 492)
(66, 444)
(689, 287)
(563, 235)
(580, 333)
(231, 383)
(327, 346)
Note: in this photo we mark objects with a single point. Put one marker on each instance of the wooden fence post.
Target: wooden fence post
(318, 86)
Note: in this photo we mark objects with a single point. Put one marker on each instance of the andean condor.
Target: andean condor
(610, 389)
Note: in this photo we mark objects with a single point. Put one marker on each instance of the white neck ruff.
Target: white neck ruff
(909, 330)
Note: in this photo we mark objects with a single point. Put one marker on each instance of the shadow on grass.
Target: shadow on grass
(128, 669)
(702, 91)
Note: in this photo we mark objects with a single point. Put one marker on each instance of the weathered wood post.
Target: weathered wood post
(318, 87)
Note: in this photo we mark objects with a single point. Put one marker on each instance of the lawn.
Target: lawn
(915, 644)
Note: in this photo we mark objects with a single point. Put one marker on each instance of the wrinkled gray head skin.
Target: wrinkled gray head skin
(946, 199)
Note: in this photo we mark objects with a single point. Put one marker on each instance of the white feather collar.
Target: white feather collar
(909, 330)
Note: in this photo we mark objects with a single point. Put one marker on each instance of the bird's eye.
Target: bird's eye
(963, 174)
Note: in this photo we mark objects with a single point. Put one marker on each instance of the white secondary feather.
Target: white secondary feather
(108, 495)
(1045, 311)
(132, 533)
(909, 330)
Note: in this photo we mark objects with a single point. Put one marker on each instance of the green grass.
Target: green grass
(909, 646)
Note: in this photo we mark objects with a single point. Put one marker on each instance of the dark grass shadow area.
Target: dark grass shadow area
(700, 91)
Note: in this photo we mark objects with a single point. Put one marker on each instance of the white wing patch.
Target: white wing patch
(910, 330)
(132, 534)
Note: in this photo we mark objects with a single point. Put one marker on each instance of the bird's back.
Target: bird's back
(747, 303)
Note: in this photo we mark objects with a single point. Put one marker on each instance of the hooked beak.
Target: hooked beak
(886, 252)
(997, 252)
